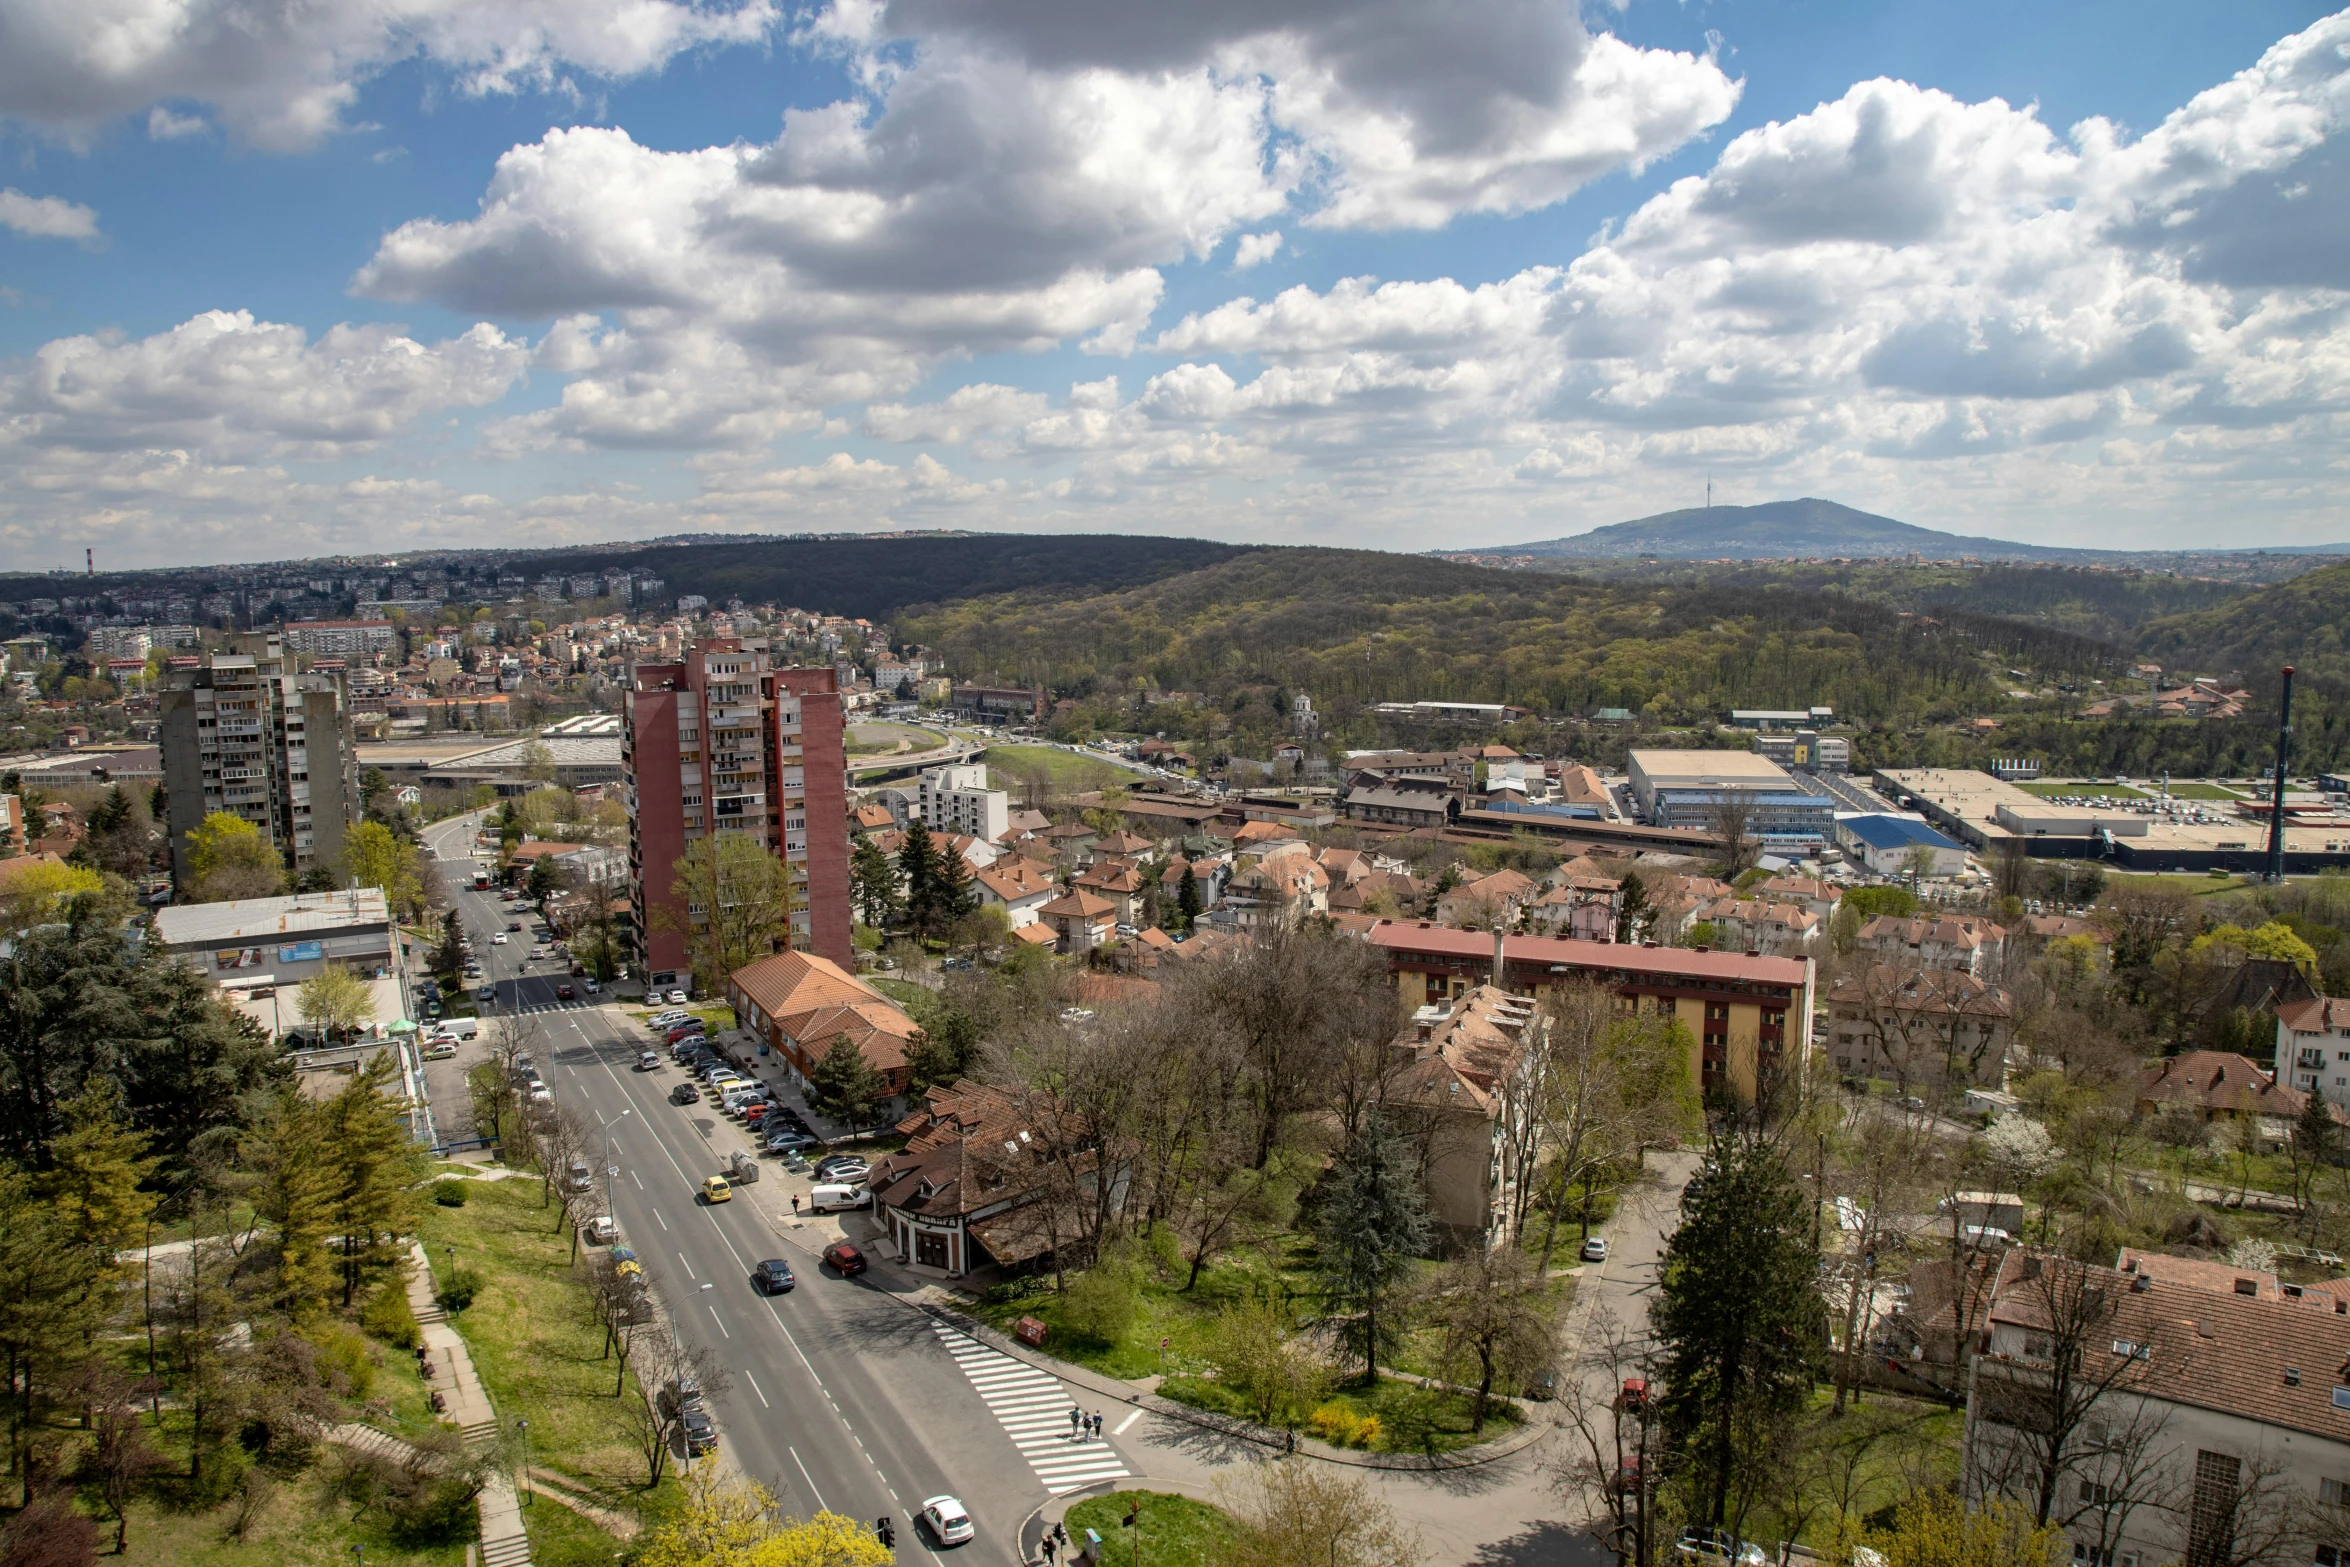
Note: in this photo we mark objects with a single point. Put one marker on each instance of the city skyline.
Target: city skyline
(585, 272)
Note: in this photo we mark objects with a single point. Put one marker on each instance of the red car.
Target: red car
(1634, 1394)
(754, 1113)
(845, 1257)
(562, 992)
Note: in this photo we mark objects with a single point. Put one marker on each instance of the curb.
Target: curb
(1279, 1442)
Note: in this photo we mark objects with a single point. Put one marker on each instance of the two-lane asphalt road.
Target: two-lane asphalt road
(843, 1396)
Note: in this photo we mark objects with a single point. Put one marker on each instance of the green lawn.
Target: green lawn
(879, 739)
(1411, 1419)
(2203, 791)
(1007, 765)
(533, 1334)
(1175, 1530)
(295, 1523)
(2049, 791)
(2200, 886)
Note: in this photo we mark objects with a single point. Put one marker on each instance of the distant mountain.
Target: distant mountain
(1808, 529)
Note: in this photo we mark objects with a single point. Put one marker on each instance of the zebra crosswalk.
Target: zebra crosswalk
(530, 1007)
(1033, 1408)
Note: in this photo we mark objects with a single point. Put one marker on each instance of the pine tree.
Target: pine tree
(1374, 1222)
(876, 882)
(918, 867)
(845, 1083)
(289, 1178)
(952, 897)
(95, 1185)
(376, 1166)
(1633, 913)
(1738, 1320)
(1187, 896)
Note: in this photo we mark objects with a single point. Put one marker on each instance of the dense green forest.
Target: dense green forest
(1354, 627)
(874, 577)
(2093, 601)
(2302, 622)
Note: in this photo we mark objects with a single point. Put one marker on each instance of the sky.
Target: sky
(283, 278)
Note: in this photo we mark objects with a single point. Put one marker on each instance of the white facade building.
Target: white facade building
(956, 799)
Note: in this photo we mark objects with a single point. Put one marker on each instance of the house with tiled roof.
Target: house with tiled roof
(1486, 902)
(2203, 1412)
(1117, 882)
(801, 1004)
(2313, 1045)
(970, 1162)
(1255, 837)
(1920, 1025)
(873, 818)
(1952, 941)
(1019, 887)
(1461, 1090)
(1080, 921)
(2209, 1084)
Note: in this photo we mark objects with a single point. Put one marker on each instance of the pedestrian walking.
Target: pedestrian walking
(795, 1205)
(1075, 1420)
(1048, 1551)
(1097, 1422)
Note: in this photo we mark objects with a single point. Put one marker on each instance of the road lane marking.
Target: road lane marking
(1032, 1408)
(689, 1267)
(812, 1491)
(640, 1186)
(657, 1219)
(1123, 1424)
(754, 1381)
(721, 1321)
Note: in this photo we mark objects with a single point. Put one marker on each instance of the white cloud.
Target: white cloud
(163, 125)
(282, 73)
(228, 386)
(47, 217)
(1254, 249)
(1408, 113)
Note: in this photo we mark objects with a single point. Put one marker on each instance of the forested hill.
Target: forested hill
(874, 577)
(1808, 527)
(1354, 627)
(2304, 622)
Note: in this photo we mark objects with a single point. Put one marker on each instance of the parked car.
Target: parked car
(675, 998)
(847, 1168)
(715, 1189)
(786, 1139)
(440, 1050)
(832, 1196)
(685, 1094)
(668, 1019)
(1633, 1395)
(845, 1258)
(701, 1432)
(680, 1394)
(773, 1277)
(948, 1519)
(755, 1113)
(600, 1230)
(687, 1031)
(1595, 1248)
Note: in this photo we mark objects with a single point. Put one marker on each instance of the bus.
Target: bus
(481, 879)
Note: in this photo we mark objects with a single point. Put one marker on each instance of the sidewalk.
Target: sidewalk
(466, 1405)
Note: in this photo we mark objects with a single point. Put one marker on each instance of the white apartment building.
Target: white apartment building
(956, 799)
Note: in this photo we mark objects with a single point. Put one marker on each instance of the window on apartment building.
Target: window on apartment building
(2334, 1493)
(2211, 1509)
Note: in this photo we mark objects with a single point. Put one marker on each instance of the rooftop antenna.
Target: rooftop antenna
(1709, 493)
(90, 562)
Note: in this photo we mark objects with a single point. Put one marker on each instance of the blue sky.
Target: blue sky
(559, 270)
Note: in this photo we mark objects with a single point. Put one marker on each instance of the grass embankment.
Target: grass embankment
(1175, 1530)
(1070, 773)
(2085, 791)
(538, 1348)
(881, 739)
(2204, 791)
(1411, 1419)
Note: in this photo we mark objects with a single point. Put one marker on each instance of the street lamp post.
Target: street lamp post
(523, 1426)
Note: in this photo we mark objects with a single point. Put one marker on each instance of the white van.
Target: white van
(459, 1028)
(828, 1199)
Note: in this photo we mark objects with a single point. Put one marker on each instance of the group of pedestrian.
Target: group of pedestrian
(1082, 1426)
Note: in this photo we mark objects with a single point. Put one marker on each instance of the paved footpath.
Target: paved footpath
(466, 1405)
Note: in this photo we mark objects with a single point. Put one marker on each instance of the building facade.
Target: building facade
(340, 638)
(721, 741)
(1745, 1016)
(956, 799)
(246, 733)
(1687, 790)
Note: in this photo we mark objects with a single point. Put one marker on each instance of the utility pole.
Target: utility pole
(2276, 814)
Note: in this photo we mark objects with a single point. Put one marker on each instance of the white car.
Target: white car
(1595, 1249)
(589, 986)
(675, 998)
(949, 1520)
(499, 939)
(440, 1050)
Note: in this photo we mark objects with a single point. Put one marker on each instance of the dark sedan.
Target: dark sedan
(774, 1276)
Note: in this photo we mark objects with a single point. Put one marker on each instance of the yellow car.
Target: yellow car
(715, 1189)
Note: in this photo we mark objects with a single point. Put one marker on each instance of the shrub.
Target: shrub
(458, 1289)
(1102, 1303)
(389, 1316)
(449, 1193)
(1336, 1424)
(345, 1358)
(431, 1511)
(1367, 1431)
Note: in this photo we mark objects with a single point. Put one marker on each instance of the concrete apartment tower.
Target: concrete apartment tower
(721, 741)
(248, 733)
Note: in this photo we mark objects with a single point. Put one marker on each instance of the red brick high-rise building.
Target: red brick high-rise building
(720, 741)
